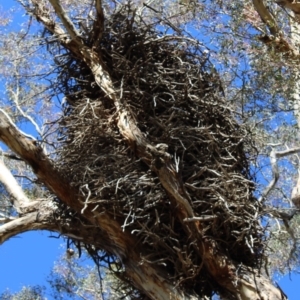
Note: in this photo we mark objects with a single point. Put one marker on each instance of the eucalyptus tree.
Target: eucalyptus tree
(148, 160)
(272, 48)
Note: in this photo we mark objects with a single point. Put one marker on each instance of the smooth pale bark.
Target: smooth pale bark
(30, 221)
(17, 196)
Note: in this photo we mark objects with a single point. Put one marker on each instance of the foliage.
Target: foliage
(27, 293)
(161, 134)
(74, 277)
(77, 278)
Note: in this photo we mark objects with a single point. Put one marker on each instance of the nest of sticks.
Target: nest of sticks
(168, 84)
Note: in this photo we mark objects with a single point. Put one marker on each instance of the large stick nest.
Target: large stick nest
(169, 86)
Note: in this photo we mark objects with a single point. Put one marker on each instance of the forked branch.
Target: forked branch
(20, 225)
(275, 171)
(62, 14)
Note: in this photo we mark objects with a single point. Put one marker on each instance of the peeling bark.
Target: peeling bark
(109, 236)
(151, 281)
(241, 282)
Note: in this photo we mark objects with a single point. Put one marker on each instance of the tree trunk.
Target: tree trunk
(103, 229)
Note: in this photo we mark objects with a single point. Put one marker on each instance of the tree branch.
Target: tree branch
(110, 234)
(266, 17)
(276, 39)
(294, 6)
(15, 98)
(30, 151)
(10, 156)
(62, 14)
(20, 225)
(219, 265)
(287, 152)
(275, 171)
(13, 124)
(99, 23)
(17, 196)
(123, 244)
(7, 219)
(42, 15)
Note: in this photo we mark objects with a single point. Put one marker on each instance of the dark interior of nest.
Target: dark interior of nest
(170, 87)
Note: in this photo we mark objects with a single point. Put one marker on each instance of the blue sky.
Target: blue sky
(291, 286)
(29, 258)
